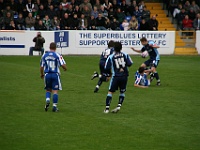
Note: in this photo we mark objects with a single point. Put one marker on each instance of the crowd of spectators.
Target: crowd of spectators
(185, 12)
(76, 15)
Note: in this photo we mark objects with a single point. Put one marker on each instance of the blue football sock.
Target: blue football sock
(48, 96)
(55, 99)
(108, 100)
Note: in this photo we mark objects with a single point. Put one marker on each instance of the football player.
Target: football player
(118, 62)
(104, 75)
(49, 70)
(141, 79)
(154, 59)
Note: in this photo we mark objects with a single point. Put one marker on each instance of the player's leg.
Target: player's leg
(102, 77)
(56, 85)
(122, 86)
(112, 88)
(155, 73)
(48, 82)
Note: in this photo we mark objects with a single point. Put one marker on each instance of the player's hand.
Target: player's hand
(42, 76)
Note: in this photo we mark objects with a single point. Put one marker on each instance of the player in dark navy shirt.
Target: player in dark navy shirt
(154, 59)
(104, 75)
(118, 62)
(49, 70)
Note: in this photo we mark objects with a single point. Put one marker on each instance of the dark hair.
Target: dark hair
(52, 46)
(111, 43)
(118, 46)
(143, 39)
(141, 70)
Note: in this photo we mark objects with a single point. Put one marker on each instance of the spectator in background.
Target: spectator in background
(64, 4)
(115, 6)
(30, 7)
(40, 26)
(20, 22)
(98, 5)
(125, 25)
(177, 10)
(137, 14)
(172, 5)
(111, 14)
(120, 15)
(2, 6)
(13, 6)
(51, 12)
(86, 3)
(92, 23)
(55, 23)
(141, 6)
(187, 25)
(8, 10)
(66, 22)
(48, 4)
(70, 11)
(195, 7)
(77, 11)
(145, 14)
(75, 24)
(30, 22)
(83, 22)
(133, 24)
(108, 23)
(94, 12)
(73, 3)
(114, 24)
(196, 22)
(124, 7)
(180, 18)
(103, 12)
(11, 26)
(192, 14)
(187, 6)
(47, 22)
(131, 8)
(37, 20)
(2, 25)
(39, 41)
(7, 19)
(153, 23)
(107, 5)
(86, 12)
(41, 11)
(60, 12)
(100, 22)
(21, 8)
(144, 25)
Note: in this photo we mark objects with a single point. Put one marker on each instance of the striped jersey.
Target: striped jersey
(51, 61)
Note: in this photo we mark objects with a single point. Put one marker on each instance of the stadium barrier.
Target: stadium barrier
(85, 42)
(198, 41)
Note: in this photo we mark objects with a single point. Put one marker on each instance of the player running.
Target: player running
(118, 62)
(49, 70)
(104, 75)
(154, 59)
(141, 79)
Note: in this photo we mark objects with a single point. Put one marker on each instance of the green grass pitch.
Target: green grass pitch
(157, 118)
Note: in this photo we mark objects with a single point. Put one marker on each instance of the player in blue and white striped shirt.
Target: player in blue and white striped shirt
(154, 59)
(49, 70)
(141, 79)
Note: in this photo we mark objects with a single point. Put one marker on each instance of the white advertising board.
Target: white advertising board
(87, 42)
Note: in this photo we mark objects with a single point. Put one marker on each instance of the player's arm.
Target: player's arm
(140, 86)
(138, 51)
(154, 45)
(64, 67)
(42, 72)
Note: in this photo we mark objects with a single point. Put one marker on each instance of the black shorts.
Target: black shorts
(152, 63)
(118, 82)
(104, 72)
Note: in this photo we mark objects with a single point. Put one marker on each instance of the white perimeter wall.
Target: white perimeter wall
(198, 41)
(87, 42)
